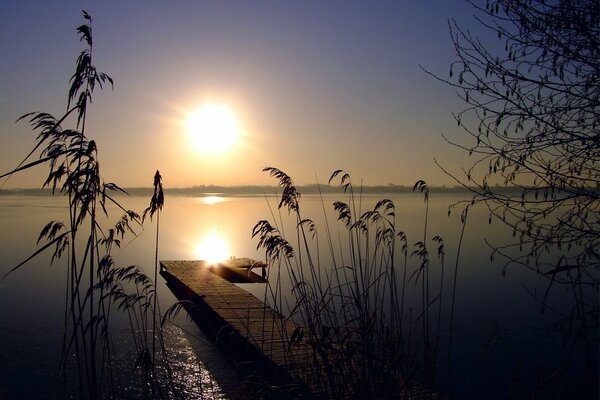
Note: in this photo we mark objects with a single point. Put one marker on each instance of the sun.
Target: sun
(213, 128)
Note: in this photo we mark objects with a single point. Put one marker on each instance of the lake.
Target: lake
(503, 344)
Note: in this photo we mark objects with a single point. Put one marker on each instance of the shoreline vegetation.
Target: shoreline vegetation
(243, 190)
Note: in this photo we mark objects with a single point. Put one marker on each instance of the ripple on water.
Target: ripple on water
(191, 378)
(190, 375)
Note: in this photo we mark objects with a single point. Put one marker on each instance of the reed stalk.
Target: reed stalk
(350, 304)
(94, 284)
(463, 219)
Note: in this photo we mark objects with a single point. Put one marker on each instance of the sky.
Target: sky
(314, 86)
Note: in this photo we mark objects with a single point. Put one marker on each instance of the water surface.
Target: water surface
(503, 343)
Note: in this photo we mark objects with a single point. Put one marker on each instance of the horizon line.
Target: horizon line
(211, 189)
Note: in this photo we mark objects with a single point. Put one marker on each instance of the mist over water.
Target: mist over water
(499, 330)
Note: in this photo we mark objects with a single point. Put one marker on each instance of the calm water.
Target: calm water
(503, 342)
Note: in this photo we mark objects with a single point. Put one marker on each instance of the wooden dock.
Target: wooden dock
(255, 337)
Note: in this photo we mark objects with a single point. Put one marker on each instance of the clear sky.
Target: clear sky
(314, 86)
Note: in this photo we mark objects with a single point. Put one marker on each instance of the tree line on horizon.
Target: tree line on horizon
(261, 189)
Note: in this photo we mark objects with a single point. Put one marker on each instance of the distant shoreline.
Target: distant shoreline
(205, 190)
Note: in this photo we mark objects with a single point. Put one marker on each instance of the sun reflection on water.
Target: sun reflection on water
(213, 248)
(210, 200)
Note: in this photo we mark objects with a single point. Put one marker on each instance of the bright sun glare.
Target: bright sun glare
(213, 128)
(213, 248)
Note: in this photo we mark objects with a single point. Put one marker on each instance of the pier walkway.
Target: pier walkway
(255, 337)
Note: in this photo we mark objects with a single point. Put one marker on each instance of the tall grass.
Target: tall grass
(95, 287)
(350, 299)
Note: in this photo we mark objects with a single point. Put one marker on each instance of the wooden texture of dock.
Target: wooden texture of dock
(254, 336)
